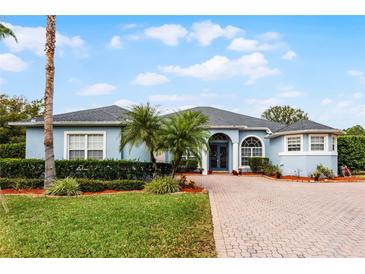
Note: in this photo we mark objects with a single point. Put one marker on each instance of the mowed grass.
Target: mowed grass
(116, 225)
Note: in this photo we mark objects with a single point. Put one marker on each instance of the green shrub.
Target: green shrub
(64, 187)
(162, 185)
(188, 166)
(19, 183)
(257, 163)
(16, 150)
(89, 185)
(323, 171)
(92, 169)
(272, 170)
(351, 152)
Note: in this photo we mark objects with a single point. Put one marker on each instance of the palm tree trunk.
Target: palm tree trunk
(50, 170)
(154, 164)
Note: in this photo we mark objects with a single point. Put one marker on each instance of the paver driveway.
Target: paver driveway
(258, 217)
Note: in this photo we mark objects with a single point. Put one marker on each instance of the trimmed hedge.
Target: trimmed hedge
(257, 164)
(16, 150)
(20, 183)
(351, 152)
(86, 185)
(91, 169)
(188, 166)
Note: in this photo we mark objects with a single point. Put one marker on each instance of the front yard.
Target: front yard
(116, 225)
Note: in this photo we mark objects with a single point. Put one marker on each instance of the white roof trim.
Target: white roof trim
(277, 134)
(68, 123)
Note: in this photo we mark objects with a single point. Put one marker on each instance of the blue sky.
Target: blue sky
(239, 63)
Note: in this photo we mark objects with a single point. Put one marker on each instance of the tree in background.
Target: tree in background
(355, 130)
(6, 32)
(182, 134)
(284, 114)
(13, 109)
(142, 126)
(50, 169)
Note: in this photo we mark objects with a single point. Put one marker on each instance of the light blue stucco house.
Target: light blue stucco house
(95, 134)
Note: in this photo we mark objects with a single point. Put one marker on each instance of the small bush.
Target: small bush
(162, 185)
(257, 163)
(20, 183)
(322, 171)
(188, 166)
(16, 150)
(64, 187)
(272, 170)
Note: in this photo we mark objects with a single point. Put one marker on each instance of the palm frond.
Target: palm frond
(6, 32)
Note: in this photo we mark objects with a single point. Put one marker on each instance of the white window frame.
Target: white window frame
(334, 143)
(240, 149)
(286, 143)
(325, 145)
(66, 141)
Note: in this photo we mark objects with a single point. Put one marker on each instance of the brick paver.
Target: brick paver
(257, 217)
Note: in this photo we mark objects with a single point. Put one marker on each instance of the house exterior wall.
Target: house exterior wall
(35, 149)
(303, 162)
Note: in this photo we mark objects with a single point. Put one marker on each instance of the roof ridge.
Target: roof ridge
(245, 115)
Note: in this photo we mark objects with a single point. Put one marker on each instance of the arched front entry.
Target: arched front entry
(219, 151)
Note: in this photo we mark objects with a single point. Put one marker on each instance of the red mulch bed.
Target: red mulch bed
(192, 190)
(33, 191)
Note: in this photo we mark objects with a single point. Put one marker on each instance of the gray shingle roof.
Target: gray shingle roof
(219, 117)
(305, 125)
(103, 114)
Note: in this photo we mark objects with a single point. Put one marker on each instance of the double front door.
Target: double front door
(218, 156)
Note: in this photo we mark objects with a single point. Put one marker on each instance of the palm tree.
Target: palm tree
(50, 170)
(6, 32)
(142, 126)
(184, 133)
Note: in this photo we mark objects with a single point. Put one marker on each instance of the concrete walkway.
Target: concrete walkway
(258, 217)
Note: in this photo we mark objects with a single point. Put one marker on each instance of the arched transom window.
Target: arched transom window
(250, 147)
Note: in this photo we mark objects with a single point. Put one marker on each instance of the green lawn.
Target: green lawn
(116, 225)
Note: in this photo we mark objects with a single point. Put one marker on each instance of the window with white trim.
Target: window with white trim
(334, 143)
(251, 147)
(317, 143)
(294, 143)
(85, 146)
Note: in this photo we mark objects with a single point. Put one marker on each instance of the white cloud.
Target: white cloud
(11, 62)
(73, 80)
(2, 81)
(242, 44)
(169, 98)
(344, 104)
(205, 32)
(125, 103)
(33, 39)
(97, 89)
(169, 34)
(326, 101)
(358, 95)
(257, 106)
(270, 36)
(133, 37)
(129, 26)
(290, 92)
(356, 73)
(289, 55)
(150, 79)
(251, 67)
(115, 42)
